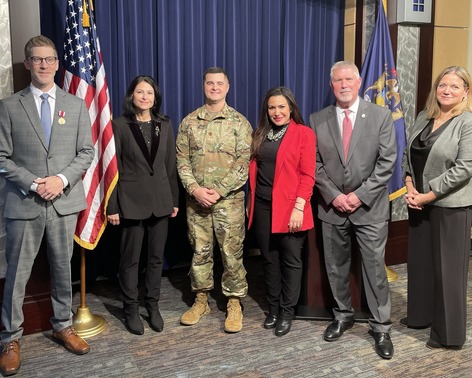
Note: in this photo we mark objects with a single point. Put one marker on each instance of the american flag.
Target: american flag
(84, 76)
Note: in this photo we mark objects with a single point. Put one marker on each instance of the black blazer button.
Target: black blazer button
(151, 174)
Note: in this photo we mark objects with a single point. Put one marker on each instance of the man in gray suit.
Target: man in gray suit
(356, 152)
(45, 147)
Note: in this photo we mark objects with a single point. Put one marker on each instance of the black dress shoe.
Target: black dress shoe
(433, 344)
(155, 320)
(383, 344)
(283, 326)
(270, 321)
(134, 324)
(336, 329)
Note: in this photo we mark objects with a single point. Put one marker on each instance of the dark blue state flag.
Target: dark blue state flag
(380, 86)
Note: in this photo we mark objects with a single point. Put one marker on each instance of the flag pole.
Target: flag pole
(392, 275)
(84, 76)
(86, 324)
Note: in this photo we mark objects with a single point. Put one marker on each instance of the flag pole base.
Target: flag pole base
(392, 276)
(87, 324)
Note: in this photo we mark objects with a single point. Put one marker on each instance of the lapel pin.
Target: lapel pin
(363, 115)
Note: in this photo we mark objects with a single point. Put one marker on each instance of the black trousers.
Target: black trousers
(132, 238)
(283, 264)
(438, 264)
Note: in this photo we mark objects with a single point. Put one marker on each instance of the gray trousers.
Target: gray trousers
(22, 246)
(371, 240)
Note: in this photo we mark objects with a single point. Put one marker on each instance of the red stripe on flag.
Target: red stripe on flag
(84, 76)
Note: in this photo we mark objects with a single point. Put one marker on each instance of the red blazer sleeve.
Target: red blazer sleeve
(252, 190)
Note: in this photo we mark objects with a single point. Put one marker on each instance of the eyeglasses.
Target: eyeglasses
(38, 60)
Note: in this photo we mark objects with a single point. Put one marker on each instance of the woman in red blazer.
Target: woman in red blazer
(281, 179)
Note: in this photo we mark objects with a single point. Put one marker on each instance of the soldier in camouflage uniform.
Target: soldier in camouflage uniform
(213, 147)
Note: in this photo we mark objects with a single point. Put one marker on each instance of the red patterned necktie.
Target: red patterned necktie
(347, 132)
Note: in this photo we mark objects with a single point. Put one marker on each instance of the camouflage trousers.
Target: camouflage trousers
(225, 221)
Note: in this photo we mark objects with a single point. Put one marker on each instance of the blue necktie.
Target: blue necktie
(46, 117)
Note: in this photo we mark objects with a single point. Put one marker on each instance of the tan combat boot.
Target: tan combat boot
(234, 316)
(200, 307)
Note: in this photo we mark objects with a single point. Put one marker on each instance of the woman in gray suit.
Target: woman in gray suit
(145, 197)
(437, 166)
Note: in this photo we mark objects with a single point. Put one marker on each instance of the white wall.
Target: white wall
(24, 24)
(6, 89)
(6, 72)
(19, 21)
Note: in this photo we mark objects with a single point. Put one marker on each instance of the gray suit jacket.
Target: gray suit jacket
(24, 155)
(448, 169)
(369, 166)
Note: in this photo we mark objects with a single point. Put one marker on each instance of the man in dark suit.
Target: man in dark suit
(45, 147)
(356, 152)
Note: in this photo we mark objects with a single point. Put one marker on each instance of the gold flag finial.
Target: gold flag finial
(85, 16)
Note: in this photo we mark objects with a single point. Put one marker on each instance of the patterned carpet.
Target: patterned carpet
(204, 350)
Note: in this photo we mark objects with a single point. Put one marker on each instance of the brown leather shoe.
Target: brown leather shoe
(10, 358)
(71, 341)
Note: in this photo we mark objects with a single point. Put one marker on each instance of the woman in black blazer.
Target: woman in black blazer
(145, 196)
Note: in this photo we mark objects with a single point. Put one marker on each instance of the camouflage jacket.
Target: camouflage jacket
(213, 152)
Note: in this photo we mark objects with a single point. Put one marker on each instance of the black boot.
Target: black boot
(155, 319)
(133, 322)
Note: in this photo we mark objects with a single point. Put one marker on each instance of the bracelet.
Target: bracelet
(297, 208)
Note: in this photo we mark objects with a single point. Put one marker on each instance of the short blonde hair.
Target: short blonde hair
(38, 41)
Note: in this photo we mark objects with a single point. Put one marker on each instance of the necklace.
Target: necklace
(273, 137)
(438, 122)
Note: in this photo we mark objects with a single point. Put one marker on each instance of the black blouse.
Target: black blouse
(266, 169)
(421, 147)
(146, 129)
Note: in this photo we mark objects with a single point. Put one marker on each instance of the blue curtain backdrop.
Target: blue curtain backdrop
(261, 44)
